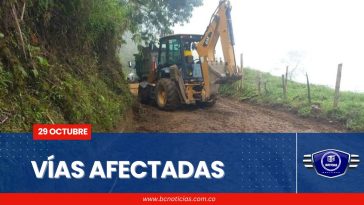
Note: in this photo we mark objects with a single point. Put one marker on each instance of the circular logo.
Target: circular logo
(331, 161)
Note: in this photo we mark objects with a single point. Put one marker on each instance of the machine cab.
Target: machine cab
(180, 50)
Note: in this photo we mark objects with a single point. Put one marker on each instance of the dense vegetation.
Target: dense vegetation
(58, 59)
(350, 111)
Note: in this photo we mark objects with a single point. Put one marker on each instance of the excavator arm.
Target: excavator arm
(220, 27)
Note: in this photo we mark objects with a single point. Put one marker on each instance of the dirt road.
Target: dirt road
(226, 116)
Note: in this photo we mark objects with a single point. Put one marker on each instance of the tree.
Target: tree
(152, 18)
(294, 62)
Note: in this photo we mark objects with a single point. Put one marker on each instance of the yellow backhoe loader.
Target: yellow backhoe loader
(184, 69)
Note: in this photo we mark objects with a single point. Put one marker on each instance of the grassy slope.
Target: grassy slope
(350, 111)
(64, 91)
(69, 77)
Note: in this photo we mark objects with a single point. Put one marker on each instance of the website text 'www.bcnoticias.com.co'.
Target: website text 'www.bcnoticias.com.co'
(181, 198)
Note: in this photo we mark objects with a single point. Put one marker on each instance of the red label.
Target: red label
(61, 132)
(208, 199)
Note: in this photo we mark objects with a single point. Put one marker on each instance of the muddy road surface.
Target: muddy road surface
(226, 116)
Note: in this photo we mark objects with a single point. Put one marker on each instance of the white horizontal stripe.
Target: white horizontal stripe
(307, 160)
(355, 160)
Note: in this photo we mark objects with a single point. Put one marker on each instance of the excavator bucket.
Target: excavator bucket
(218, 74)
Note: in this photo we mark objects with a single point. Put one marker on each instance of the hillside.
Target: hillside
(350, 111)
(60, 60)
(58, 65)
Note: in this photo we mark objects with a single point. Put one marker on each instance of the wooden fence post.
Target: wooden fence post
(284, 88)
(308, 90)
(242, 71)
(259, 83)
(265, 87)
(286, 80)
(337, 87)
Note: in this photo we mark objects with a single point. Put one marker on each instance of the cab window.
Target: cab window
(174, 54)
(163, 54)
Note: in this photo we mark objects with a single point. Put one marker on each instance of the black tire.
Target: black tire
(167, 97)
(143, 95)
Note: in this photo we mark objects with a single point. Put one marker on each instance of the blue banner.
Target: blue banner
(175, 163)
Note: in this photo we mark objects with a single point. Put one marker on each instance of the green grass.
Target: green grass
(68, 71)
(59, 95)
(351, 105)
